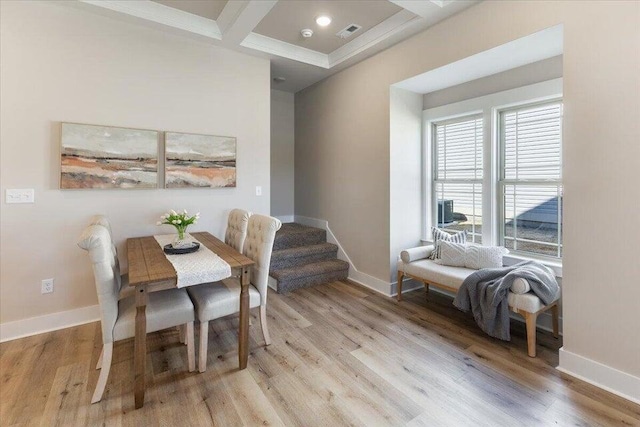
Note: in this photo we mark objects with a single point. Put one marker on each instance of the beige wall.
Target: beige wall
(59, 63)
(535, 72)
(282, 153)
(342, 154)
(405, 166)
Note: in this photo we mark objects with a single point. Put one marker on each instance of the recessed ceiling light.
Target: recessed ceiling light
(323, 20)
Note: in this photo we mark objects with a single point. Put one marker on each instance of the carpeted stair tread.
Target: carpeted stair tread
(312, 269)
(292, 257)
(293, 235)
(304, 282)
(302, 257)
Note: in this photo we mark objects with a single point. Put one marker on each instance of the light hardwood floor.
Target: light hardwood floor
(341, 355)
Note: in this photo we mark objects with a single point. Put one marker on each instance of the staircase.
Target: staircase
(302, 257)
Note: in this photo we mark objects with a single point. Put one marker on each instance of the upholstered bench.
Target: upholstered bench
(414, 264)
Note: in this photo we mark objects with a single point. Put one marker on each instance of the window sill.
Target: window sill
(511, 259)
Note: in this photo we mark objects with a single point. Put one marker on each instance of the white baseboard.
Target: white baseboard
(49, 322)
(355, 275)
(272, 283)
(285, 218)
(610, 379)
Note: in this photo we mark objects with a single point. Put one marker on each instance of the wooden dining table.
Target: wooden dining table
(151, 271)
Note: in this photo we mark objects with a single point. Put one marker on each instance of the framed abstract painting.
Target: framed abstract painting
(108, 157)
(199, 161)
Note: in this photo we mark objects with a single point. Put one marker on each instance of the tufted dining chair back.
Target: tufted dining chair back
(237, 228)
(261, 232)
(96, 240)
(104, 222)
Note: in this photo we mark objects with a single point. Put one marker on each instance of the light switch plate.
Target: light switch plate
(258, 191)
(23, 195)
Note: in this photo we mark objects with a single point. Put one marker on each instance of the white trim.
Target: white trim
(286, 218)
(357, 276)
(421, 8)
(230, 14)
(161, 14)
(240, 23)
(617, 382)
(488, 106)
(525, 50)
(387, 28)
(286, 50)
(49, 322)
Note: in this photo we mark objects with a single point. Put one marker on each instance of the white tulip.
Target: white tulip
(185, 212)
(173, 212)
(178, 221)
(159, 223)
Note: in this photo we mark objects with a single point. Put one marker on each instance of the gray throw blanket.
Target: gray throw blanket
(485, 292)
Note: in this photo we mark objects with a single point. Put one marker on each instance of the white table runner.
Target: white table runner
(202, 266)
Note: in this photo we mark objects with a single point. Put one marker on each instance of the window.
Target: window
(531, 179)
(458, 175)
(493, 167)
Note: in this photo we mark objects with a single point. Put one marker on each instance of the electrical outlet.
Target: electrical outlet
(47, 286)
(26, 195)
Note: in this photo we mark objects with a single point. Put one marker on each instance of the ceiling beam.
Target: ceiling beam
(424, 9)
(238, 19)
(161, 14)
(387, 28)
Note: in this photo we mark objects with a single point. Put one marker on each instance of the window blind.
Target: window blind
(531, 178)
(458, 172)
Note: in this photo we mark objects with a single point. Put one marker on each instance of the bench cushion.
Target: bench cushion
(452, 277)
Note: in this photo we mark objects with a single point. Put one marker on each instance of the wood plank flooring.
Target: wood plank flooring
(341, 355)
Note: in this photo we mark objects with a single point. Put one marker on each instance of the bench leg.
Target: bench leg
(555, 315)
(400, 278)
(426, 286)
(530, 319)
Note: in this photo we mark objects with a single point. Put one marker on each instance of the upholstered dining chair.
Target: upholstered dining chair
(219, 299)
(165, 309)
(237, 228)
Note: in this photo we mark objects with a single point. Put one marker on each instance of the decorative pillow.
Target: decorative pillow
(478, 257)
(471, 256)
(453, 254)
(520, 285)
(414, 254)
(439, 235)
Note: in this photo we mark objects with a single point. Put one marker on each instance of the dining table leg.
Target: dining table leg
(243, 336)
(140, 344)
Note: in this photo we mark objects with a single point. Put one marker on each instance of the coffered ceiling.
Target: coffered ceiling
(272, 28)
(209, 9)
(285, 20)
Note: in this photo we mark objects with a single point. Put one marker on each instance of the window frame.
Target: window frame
(489, 106)
(502, 181)
(434, 155)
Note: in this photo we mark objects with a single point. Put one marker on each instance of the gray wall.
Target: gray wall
(343, 154)
(282, 153)
(535, 72)
(61, 63)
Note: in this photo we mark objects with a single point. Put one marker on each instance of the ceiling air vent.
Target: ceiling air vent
(348, 32)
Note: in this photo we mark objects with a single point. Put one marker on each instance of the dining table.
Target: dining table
(151, 271)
